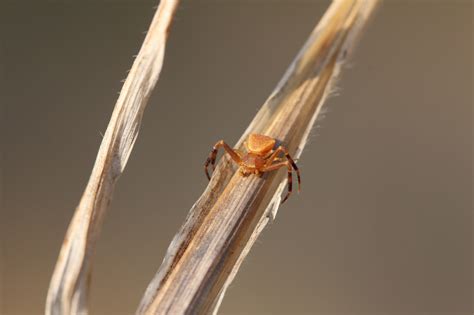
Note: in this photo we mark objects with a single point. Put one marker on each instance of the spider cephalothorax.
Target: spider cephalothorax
(260, 158)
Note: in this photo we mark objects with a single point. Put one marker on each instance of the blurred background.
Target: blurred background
(384, 221)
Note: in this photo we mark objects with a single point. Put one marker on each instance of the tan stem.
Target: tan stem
(69, 286)
(223, 224)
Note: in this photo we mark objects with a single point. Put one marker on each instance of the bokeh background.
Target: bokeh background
(384, 221)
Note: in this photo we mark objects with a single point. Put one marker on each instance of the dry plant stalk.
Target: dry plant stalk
(222, 226)
(68, 290)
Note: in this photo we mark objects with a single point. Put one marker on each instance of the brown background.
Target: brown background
(383, 223)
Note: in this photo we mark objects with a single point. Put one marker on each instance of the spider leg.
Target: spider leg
(290, 175)
(274, 157)
(293, 164)
(211, 159)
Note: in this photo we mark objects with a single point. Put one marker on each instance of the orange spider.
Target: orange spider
(258, 160)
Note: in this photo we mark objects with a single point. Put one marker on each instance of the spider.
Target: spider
(260, 158)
